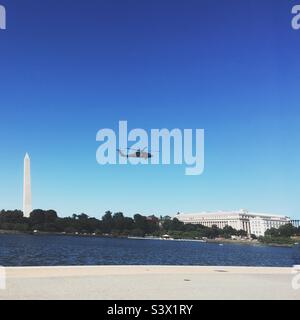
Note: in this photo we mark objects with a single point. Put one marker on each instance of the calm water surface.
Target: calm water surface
(27, 250)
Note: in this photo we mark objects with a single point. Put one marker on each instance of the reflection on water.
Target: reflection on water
(38, 250)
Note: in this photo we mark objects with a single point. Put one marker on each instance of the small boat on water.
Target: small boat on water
(166, 237)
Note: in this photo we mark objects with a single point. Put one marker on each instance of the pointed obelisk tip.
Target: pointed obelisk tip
(26, 155)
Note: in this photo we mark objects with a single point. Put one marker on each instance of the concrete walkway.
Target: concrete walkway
(149, 282)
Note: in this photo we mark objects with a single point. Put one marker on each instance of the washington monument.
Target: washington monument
(27, 201)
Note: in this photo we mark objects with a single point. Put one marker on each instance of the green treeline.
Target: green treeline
(283, 235)
(116, 224)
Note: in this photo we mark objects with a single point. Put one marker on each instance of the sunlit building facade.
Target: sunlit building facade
(252, 223)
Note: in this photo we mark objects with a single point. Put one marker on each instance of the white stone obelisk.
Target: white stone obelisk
(27, 204)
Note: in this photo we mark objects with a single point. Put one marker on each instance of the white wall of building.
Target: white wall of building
(252, 223)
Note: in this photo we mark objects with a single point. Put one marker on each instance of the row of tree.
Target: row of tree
(284, 231)
(283, 235)
(117, 224)
(48, 221)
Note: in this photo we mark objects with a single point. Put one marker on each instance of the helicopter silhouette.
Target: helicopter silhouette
(139, 153)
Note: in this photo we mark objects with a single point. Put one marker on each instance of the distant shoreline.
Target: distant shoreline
(220, 241)
(215, 241)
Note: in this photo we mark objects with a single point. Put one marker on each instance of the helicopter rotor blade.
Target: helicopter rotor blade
(141, 150)
(133, 149)
(136, 149)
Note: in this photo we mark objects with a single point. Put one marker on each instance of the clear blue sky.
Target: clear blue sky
(69, 68)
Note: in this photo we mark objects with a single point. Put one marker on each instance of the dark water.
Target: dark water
(26, 250)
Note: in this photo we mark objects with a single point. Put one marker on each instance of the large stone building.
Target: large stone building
(252, 223)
